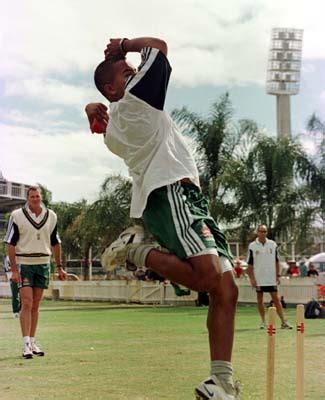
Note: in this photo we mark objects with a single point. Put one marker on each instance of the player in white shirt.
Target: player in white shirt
(15, 301)
(264, 273)
(32, 237)
(166, 193)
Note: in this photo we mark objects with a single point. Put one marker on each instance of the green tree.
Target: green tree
(271, 185)
(106, 218)
(316, 127)
(94, 226)
(215, 137)
(68, 214)
(112, 210)
(46, 195)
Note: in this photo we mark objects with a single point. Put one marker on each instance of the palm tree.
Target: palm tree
(271, 185)
(316, 127)
(93, 226)
(111, 212)
(68, 215)
(216, 137)
(46, 195)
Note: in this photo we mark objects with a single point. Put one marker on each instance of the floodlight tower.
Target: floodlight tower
(283, 73)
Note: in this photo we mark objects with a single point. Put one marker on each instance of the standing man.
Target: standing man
(32, 232)
(264, 273)
(166, 193)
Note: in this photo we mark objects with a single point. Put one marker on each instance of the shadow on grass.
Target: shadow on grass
(94, 308)
(8, 316)
(15, 358)
(247, 330)
(315, 335)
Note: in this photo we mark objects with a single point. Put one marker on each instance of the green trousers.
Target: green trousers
(15, 301)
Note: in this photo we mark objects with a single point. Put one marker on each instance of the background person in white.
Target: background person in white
(165, 191)
(264, 273)
(31, 233)
(15, 302)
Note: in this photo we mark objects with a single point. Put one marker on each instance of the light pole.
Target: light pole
(283, 73)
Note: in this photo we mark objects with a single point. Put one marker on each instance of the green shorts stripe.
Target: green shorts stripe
(178, 216)
(183, 220)
(190, 233)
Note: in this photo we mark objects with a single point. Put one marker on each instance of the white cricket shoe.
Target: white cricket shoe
(27, 351)
(115, 254)
(285, 325)
(212, 388)
(36, 350)
(263, 325)
(16, 315)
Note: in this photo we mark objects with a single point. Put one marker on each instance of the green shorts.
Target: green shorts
(35, 276)
(178, 217)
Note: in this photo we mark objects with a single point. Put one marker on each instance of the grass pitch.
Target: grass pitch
(98, 351)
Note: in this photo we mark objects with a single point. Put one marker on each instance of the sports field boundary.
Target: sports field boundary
(298, 290)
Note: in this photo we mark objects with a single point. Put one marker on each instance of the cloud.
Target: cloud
(44, 37)
(52, 90)
(50, 121)
(49, 50)
(71, 165)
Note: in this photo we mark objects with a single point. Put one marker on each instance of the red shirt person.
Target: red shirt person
(238, 269)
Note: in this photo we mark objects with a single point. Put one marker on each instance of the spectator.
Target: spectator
(303, 268)
(293, 270)
(283, 303)
(238, 269)
(312, 271)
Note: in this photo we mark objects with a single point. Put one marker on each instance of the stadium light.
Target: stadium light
(283, 73)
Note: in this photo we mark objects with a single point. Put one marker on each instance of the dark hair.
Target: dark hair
(33, 189)
(104, 73)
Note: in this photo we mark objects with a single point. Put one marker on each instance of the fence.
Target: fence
(296, 290)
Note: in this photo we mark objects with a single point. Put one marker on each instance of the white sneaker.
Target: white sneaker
(115, 254)
(212, 388)
(286, 325)
(131, 255)
(263, 325)
(36, 350)
(27, 351)
(16, 315)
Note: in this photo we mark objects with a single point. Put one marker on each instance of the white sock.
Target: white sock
(223, 370)
(26, 340)
(32, 340)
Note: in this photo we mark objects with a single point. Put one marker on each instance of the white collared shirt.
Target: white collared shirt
(263, 257)
(36, 218)
(145, 136)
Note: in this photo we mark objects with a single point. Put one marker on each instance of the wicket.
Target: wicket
(271, 332)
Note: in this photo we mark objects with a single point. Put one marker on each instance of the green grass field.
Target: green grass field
(100, 351)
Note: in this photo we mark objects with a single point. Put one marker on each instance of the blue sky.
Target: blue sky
(50, 48)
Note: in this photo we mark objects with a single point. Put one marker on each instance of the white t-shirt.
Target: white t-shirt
(263, 257)
(144, 135)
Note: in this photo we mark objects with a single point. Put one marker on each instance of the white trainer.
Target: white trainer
(212, 388)
(36, 350)
(263, 325)
(27, 351)
(285, 325)
(115, 254)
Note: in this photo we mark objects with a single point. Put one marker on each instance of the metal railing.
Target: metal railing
(13, 190)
